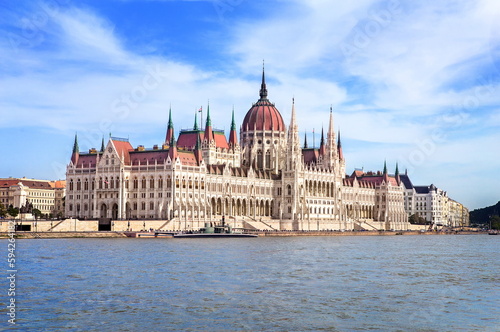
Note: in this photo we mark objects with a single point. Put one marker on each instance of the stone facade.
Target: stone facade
(46, 196)
(267, 180)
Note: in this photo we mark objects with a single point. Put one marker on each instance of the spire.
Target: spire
(209, 135)
(102, 144)
(233, 140)
(233, 125)
(209, 121)
(170, 124)
(76, 152)
(305, 140)
(396, 175)
(332, 150)
(197, 149)
(76, 149)
(195, 127)
(322, 150)
(385, 167)
(170, 128)
(339, 147)
(263, 89)
(172, 151)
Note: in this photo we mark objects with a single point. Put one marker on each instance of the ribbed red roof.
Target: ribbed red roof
(263, 116)
(87, 160)
(143, 157)
(187, 139)
(123, 147)
(310, 156)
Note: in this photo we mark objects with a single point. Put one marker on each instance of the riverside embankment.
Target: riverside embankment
(111, 234)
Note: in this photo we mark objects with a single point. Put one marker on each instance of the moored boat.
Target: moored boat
(221, 230)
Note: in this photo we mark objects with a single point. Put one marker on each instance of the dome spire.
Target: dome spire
(263, 88)
(195, 122)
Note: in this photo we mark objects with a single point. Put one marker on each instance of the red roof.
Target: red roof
(87, 160)
(263, 116)
(310, 155)
(5, 183)
(187, 139)
(123, 147)
(149, 156)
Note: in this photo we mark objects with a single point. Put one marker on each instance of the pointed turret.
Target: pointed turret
(233, 140)
(102, 145)
(195, 127)
(170, 128)
(339, 147)
(76, 152)
(305, 141)
(322, 148)
(172, 151)
(209, 135)
(385, 176)
(197, 150)
(263, 88)
(332, 151)
(294, 154)
(396, 175)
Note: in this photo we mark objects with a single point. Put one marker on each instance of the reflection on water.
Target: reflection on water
(406, 283)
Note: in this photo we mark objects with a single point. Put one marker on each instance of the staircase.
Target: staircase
(168, 222)
(54, 226)
(258, 225)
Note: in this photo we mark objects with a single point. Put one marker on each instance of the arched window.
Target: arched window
(143, 183)
(289, 190)
(259, 159)
(268, 159)
(71, 185)
(151, 183)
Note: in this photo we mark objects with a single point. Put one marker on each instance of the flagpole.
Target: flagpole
(314, 140)
(201, 117)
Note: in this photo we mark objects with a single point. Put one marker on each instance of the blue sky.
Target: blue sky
(413, 82)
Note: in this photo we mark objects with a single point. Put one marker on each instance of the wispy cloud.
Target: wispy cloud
(396, 72)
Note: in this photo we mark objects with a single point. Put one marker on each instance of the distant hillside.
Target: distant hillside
(481, 216)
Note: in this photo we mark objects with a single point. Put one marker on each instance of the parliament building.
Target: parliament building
(264, 180)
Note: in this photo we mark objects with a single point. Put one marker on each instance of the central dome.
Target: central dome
(263, 115)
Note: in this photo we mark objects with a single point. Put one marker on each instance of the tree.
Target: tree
(495, 222)
(3, 211)
(13, 211)
(416, 220)
(37, 213)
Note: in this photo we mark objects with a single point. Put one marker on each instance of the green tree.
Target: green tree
(495, 222)
(13, 211)
(416, 220)
(3, 211)
(37, 213)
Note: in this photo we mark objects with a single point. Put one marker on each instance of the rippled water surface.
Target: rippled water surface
(356, 283)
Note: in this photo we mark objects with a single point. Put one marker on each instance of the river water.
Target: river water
(344, 283)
